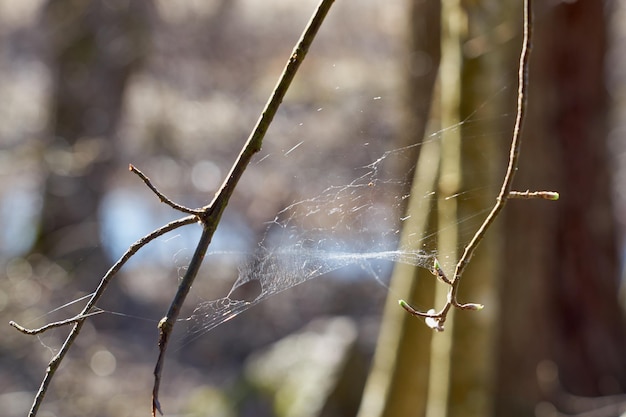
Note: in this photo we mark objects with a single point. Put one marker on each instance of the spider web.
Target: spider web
(357, 224)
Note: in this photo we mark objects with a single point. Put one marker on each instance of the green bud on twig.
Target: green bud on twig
(471, 306)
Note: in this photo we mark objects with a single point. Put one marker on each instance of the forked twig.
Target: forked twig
(78, 321)
(53, 325)
(437, 320)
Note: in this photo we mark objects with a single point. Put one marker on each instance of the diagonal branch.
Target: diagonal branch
(78, 321)
(212, 213)
(53, 325)
(516, 142)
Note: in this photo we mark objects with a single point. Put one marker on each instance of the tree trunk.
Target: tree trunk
(93, 48)
(560, 305)
(462, 367)
(397, 384)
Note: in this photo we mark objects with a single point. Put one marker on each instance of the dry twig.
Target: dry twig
(436, 320)
(78, 321)
(211, 214)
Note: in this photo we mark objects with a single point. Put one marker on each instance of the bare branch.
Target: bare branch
(209, 216)
(78, 321)
(437, 320)
(212, 213)
(514, 152)
(53, 324)
(159, 194)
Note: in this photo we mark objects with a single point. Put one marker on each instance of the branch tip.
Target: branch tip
(156, 406)
(414, 312)
(471, 306)
(545, 195)
(162, 197)
(409, 309)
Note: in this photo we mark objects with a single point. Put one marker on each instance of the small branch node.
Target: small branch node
(439, 273)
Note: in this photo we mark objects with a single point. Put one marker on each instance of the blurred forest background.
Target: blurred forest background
(174, 87)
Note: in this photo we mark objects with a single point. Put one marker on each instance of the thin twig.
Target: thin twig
(212, 213)
(515, 147)
(162, 197)
(78, 321)
(53, 325)
(438, 319)
(546, 195)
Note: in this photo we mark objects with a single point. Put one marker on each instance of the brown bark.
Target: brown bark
(588, 339)
(560, 294)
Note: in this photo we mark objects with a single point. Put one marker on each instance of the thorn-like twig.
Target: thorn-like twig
(439, 273)
(162, 197)
(49, 326)
(78, 321)
(415, 312)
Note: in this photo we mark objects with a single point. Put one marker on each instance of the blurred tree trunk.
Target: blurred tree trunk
(560, 294)
(420, 71)
(93, 48)
(450, 373)
(462, 366)
(401, 360)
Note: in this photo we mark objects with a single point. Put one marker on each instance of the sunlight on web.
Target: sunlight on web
(285, 268)
(351, 228)
(354, 225)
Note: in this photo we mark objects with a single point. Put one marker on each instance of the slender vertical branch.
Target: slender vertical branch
(166, 325)
(516, 142)
(255, 140)
(437, 320)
